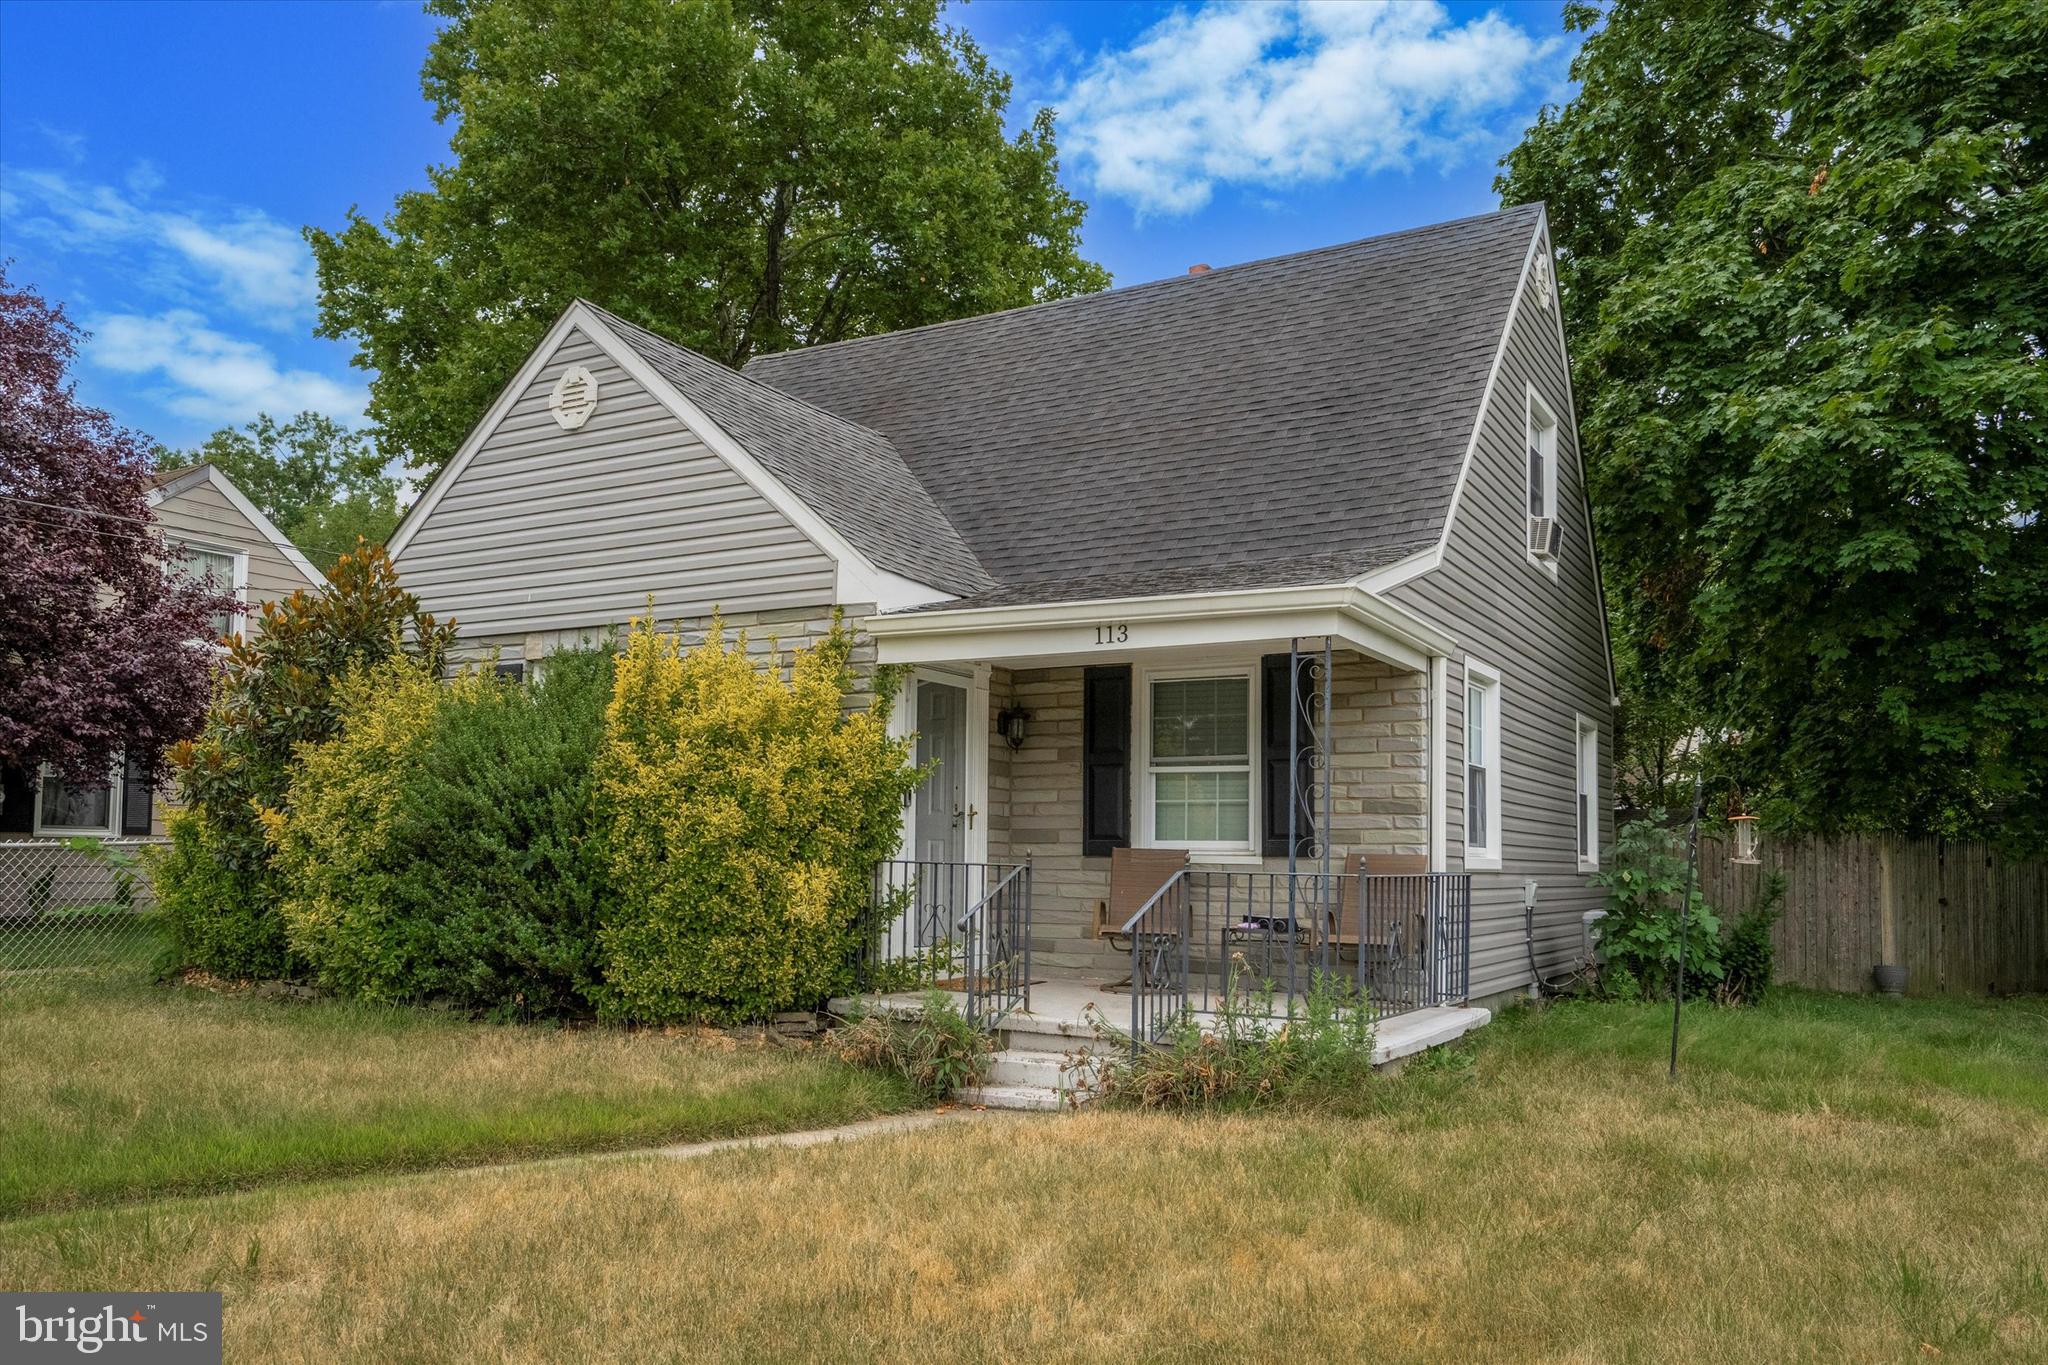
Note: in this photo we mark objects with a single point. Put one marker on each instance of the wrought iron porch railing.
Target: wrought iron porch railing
(1263, 940)
(955, 926)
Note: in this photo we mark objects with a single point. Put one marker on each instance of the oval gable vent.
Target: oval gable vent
(574, 398)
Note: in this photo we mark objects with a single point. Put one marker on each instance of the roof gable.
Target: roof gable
(1316, 405)
(170, 484)
(850, 476)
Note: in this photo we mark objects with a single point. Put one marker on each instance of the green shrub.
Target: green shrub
(745, 813)
(1317, 1052)
(214, 916)
(937, 1050)
(1748, 956)
(443, 846)
(1644, 879)
(498, 848)
(276, 692)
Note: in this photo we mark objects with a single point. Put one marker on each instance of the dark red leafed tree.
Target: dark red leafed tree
(100, 651)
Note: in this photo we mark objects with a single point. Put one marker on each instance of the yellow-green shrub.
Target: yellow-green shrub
(745, 813)
(332, 852)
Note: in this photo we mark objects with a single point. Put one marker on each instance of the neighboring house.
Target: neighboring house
(1102, 532)
(210, 530)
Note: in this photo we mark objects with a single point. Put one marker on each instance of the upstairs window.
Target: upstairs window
(1541, 444)
(218, 571)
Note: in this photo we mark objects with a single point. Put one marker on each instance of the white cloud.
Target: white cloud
(259, 266)
(252, 263)
(1277, 95)
(65, 140)
(144, 179)
(210, 376)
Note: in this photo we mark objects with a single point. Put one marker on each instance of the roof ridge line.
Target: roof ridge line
(1168, 281)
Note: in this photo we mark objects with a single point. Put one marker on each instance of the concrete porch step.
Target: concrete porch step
(1037, 1080)
(1033, 1098)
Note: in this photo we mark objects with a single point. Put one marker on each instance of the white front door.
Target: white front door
(943, 810)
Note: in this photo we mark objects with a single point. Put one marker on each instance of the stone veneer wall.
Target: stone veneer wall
(781, 633)
(1379, 794)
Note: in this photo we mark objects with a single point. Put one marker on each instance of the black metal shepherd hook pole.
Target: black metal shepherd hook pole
(1692, 867)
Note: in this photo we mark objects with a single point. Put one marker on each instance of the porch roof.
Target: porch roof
(1110, 626)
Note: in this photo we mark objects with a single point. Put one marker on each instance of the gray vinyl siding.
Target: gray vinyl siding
(552, 530)
(203, 515)
(1547, 638)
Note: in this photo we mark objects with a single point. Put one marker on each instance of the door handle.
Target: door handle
(970, 813)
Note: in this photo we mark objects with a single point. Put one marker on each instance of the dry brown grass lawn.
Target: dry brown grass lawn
(114, 1089)
(1846, 1192)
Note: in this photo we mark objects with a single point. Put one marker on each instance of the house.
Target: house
(1276, 564)
(209, 527)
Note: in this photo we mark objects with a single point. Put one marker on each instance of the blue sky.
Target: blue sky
(158, 160)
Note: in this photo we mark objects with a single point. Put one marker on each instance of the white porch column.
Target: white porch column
(1439, 755)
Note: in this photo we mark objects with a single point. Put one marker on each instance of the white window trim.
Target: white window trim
(241, 583)
(1219, 851)
(1537, 415)
(110, 830)
(1586, 784)
(1485, 858)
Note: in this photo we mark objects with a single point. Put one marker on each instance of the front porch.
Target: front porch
(1187, 943)
(1282, 789)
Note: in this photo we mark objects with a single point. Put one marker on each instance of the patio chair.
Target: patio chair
(1385, 940)
(1135, 876)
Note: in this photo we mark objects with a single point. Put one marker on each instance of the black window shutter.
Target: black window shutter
(1274, 725)
(17, 801)
(1105, 759)
(135, 799)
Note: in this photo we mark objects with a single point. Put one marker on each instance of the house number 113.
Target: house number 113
(1113, 633)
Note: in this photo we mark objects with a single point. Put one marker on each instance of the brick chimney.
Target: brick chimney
(1198, 270)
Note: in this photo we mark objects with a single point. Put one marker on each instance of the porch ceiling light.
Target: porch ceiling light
(1010, 723)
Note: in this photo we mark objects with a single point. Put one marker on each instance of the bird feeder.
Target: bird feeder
(1745, 840)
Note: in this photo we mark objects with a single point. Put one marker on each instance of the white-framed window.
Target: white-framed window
(1482, 766)
(1540, 443)
(1198, 735)
(1587, 805)
(221, 570)
(68, 808)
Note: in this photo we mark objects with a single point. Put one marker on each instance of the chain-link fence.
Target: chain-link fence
(76, 903)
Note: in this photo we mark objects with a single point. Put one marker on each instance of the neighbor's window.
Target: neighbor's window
(1482, 765)
(1589, 795)
(1199, 762)
(68, 808)
(215, 569)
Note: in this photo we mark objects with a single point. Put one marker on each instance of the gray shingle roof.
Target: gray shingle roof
(848, 475)
(1298, 572)
(1199, 431)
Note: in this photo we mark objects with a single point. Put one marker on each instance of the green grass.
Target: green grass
(1830, 1179)
(115, 1090)
(80, 938)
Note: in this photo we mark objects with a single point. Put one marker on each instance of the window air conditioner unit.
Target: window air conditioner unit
(1543, 535)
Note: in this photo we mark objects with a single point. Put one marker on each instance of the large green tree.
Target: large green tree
(1804, 256)
(322, 483)
(742, 175)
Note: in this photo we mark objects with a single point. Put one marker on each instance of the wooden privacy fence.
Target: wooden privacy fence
(1961, 918)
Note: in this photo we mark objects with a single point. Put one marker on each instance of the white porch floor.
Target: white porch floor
(1063, 1009)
